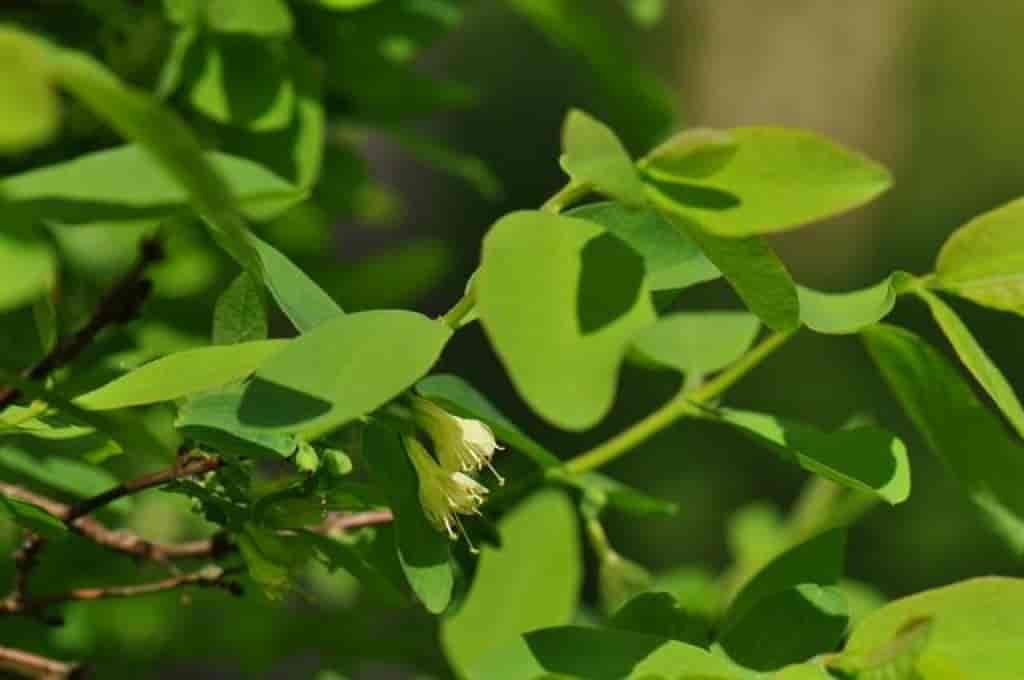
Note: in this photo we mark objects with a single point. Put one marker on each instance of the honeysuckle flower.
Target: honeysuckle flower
(461, 444)
(444, 494)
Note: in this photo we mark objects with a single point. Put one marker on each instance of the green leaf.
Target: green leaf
(71, 476)
(29, 267)
(801, 672)
(690, 154)
(662, 615)
(594, 156)
(32, 518)
(181, 374)
(355, 554)
(671, 259)
(299, 297)
(697, 343)
(975, 633)
(273, 560)
(776, 180)
(363, 361)
(531, 582)
(817, 561)
(867, 459)
(604, 490)
(852, 312)
(240, 314)
(957, 426)
(787, 627)
(222, 91)
(976, 360)
(29, 106)
(252, 17)
(558, 318)
(212, 419)
(602, 654)
(347, 5)
(646, 13)
(752, 269)
(126, 183)
(423, 551)
(140, 118)
(893, 660)
(983, 260)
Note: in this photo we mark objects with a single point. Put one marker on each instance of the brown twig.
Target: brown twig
(121, 304)
(342, 522)
(210, 576)
(29, 665)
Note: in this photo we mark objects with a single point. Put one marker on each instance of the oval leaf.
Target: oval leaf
(844, 313)
(593, 155)
(182, 374)
(697, 343)
(560, 300)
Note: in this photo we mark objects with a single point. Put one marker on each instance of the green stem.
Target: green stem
(566, 196)
(685, 403)
(458, 312)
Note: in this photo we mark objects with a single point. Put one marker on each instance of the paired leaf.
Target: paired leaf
(126, 183)
(975, 631)
(29, 107)
(983, 260)
(240, 314)
(976, 360)
(867, 459)
(852, 312)
(697, 343)
(671, 259)
(602, 654)
(776, 180)
(957, 426)
(299, 297)
(423, 551)
(363, 360)
(560, 300)
(593, 156)
(181, 374)
(532, 581)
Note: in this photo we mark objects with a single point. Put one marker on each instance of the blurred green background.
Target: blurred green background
(932, 88)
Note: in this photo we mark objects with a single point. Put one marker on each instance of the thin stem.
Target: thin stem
(565, 197)
(464, 306)
(29, 665)
(685, 403)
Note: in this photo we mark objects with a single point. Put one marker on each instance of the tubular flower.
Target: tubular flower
(461, 443)
(443, 494)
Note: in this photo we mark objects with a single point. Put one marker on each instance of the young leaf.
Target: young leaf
(817, 561)
(866, 458)
(690, 154)
(422, 550)
(364, 360)
(787, 627)
(602, 654)
(32, 518)
(29, 105)
(240, 314)
(593, 155)
(776, 180)
(212, 419)
(957, 426)
(975, 633)
(304, 302)
(983, 260)
(221, 90)
(697, 343)
(29, 268)
(264, 18)
(126, 183)
(671, 259)
(531, 582)
(181, 374)
(976, 360)
(752, 269)
(561, 330)
(852, 312)
(140, 118)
